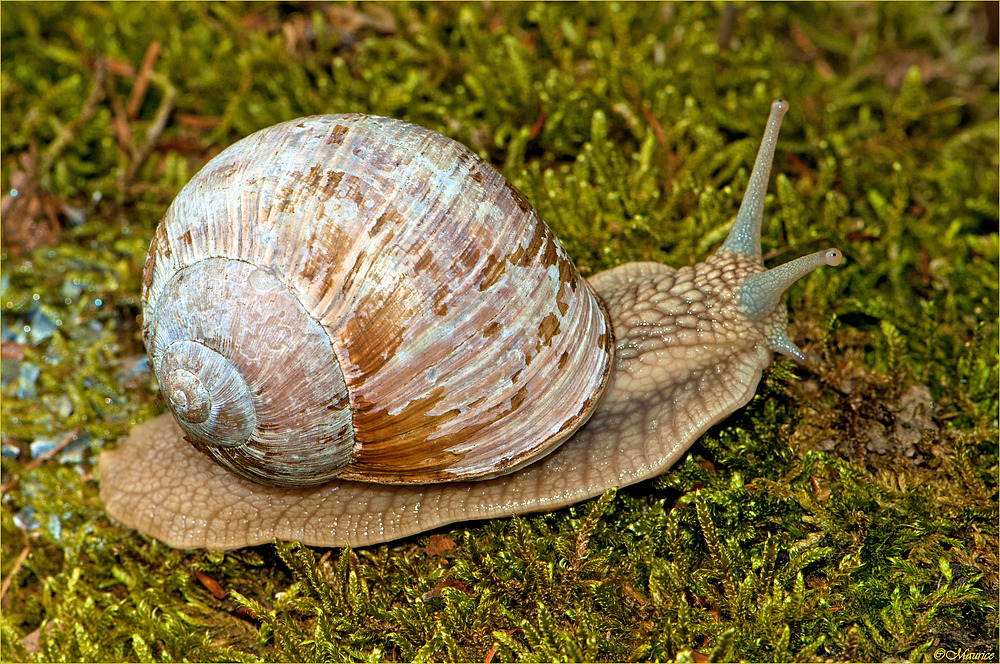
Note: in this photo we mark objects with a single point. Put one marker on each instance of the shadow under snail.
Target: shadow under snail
(366, 332)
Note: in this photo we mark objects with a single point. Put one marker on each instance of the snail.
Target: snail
(365, 332)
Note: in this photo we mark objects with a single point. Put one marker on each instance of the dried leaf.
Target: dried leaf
(438, 544)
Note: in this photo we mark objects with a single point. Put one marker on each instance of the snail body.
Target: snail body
(366, 332)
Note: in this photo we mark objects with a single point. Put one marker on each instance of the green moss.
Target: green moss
(849, 512)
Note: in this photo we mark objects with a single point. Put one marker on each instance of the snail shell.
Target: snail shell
(342, 300)
(394, 311)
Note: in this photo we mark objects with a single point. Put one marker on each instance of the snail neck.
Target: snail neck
(668, 322)
(685, 357)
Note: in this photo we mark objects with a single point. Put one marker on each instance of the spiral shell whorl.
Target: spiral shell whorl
(218, 343)
(207, 394)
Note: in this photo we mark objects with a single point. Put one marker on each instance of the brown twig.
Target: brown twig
(141, 84)
(197, 121)
(154, 131)
(13, 570)
(661, 136)
(727, 26)
(536, 128)
(211, 585)
(119, 122)
(31, 465)
(119, 67)
(11, 350)
(30, 214)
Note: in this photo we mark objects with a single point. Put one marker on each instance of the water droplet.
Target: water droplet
(25, 519)
(26, 382)
(42, 326)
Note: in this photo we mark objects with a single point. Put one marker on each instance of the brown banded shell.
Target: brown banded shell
(358, 297)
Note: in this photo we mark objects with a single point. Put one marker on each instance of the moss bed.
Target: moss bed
(849, 512)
